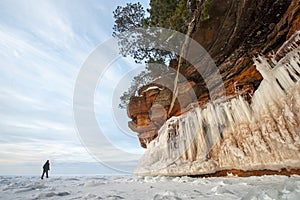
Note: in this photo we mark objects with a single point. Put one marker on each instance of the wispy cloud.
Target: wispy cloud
(42, 47)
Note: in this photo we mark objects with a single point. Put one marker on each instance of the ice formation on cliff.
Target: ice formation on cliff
(235, 134)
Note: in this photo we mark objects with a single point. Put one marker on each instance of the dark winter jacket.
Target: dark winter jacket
(46, 166)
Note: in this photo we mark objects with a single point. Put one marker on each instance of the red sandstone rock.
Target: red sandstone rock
(233, 35)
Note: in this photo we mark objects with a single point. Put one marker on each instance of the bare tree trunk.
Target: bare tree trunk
(184, 49)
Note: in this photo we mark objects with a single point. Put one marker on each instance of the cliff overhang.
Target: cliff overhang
(235, 33)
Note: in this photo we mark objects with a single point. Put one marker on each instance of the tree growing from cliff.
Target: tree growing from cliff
(169, 14)
(151, 72)
(129, 17)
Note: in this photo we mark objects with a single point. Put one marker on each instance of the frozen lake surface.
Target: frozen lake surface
(159, 187)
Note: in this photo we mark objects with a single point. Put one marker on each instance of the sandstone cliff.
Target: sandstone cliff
(233, 33)
(233, 135)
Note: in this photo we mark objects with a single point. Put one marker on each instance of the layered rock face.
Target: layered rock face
(233, 135)
(233, 33)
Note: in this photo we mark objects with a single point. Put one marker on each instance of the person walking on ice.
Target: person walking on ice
(46, 168)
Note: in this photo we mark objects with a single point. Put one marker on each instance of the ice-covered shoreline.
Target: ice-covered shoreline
(233, 133)
(157, 187)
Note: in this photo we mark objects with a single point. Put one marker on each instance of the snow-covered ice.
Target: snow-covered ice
(157, 187)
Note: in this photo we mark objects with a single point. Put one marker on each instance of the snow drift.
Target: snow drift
(152, 188)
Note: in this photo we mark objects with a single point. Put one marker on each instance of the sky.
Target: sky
(44, 45)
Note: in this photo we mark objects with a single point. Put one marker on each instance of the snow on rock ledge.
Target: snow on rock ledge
(235, 134)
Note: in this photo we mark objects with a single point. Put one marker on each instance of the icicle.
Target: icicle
(234, 134)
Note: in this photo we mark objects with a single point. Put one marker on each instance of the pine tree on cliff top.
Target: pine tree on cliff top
(170, 14)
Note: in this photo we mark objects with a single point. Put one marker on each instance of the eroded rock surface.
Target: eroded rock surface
(234, 33)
